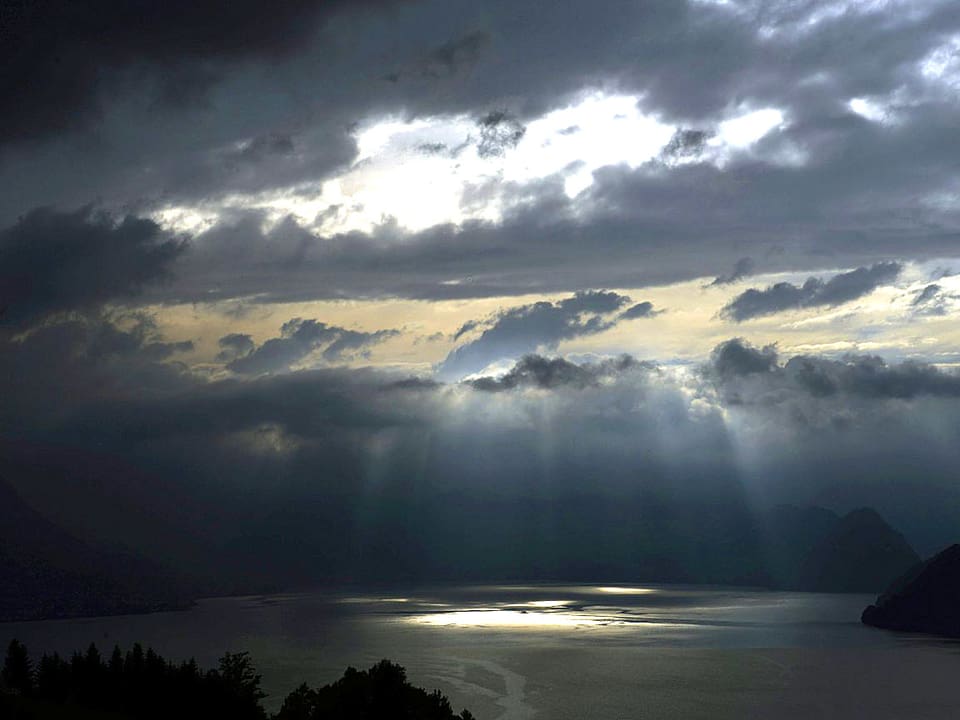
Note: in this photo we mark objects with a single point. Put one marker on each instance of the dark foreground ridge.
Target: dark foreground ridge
(142, 684)
(926, 599)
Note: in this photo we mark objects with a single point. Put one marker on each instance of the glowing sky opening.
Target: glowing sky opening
(428, 171)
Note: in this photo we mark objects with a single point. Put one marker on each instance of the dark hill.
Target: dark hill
(925, 599)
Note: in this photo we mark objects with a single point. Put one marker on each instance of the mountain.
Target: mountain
(813, 549)
(925, 599)
(46, 572)
(859, 554)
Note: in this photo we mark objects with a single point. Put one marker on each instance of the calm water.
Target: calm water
(566, 652)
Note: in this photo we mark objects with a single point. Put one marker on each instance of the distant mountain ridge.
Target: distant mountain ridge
(925, 599)
(45, 572)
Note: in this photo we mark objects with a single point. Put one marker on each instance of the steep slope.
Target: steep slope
(925, 599)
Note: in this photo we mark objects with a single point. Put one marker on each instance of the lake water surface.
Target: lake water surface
(565, 652)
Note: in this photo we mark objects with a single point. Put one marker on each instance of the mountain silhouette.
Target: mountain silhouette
(813, 549)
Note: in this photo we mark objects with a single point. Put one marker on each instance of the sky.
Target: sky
(358, 251)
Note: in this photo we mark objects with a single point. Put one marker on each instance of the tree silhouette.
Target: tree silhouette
(142, 684)
(241, 686)
(380, 693)
(17, 669)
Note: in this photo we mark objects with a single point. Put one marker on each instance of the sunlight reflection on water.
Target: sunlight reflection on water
(613, 590)
(507, 618)
(643, 613)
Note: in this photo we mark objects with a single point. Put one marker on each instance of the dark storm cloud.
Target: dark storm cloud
(298, 339)
(813, 293)
(54, 262)
(523, 329)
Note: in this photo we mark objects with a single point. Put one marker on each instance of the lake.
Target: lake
(564, 652)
